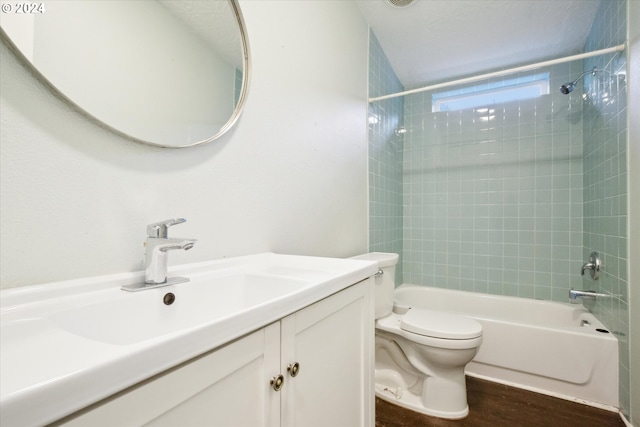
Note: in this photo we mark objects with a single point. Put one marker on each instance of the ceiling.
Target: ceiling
(438, 40)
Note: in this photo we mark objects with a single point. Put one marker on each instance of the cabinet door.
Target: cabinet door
(226, 387)
(332, 341)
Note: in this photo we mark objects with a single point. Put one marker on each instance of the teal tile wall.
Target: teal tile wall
(385, 157)
(605, 178)
(493, 197)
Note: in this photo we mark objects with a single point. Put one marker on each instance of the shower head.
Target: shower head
(567, 88)
(400, 131)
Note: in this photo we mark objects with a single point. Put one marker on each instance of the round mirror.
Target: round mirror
(169, 73)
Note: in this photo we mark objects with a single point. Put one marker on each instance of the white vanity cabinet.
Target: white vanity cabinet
(332, 341)
(323, 355)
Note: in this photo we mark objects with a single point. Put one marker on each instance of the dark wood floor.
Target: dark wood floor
(496, 405)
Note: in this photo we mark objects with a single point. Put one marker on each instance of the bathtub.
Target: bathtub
(548, 347)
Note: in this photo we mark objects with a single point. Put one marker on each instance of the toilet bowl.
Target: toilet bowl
(420, 355)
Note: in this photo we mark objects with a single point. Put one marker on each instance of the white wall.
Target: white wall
(21, 27)
(290, 178)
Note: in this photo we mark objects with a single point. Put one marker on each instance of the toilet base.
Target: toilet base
(432, 390)
(422, 373)
(407, 399)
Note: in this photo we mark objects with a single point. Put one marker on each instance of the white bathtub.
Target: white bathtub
(533, 344)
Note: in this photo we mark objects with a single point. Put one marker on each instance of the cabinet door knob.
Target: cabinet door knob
(277, 382)
(293, 369)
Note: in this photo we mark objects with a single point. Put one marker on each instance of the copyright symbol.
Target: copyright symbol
(6, 8)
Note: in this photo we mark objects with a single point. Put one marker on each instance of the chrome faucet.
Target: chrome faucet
(593, 265)
(585, 295)
(157, 245)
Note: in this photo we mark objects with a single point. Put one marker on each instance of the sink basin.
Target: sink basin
(67, 345)
(146, 315)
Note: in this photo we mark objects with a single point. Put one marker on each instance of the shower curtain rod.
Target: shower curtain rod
(618, 48)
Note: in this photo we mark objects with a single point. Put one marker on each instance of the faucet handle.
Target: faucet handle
(161, 229)
(594, 265)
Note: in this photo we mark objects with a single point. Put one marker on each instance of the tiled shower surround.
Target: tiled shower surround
(385, 157)
(605, 178)
(510, 198)
(493, 194)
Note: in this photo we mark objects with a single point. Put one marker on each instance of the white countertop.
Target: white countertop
(66, 345)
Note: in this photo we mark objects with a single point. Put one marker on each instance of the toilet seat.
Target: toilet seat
(394, 324)
(442, 343)
(439, 324)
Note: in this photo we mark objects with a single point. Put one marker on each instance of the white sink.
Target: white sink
(140, 316)
(66, 345)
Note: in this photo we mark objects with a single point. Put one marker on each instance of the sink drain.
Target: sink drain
(169, 299)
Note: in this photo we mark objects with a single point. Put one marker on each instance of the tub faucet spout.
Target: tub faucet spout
(585, 295)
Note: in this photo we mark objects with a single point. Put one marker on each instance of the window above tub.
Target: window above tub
(485, 94)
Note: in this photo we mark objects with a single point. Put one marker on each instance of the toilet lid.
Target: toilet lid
(439, 324)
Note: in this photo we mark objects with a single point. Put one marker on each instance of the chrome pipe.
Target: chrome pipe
(585, 295)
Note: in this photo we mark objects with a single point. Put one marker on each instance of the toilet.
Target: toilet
(420, 355)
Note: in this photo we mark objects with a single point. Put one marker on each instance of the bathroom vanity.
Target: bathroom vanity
(287, 341)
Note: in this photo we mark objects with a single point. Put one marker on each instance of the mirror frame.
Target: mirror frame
(246, 77)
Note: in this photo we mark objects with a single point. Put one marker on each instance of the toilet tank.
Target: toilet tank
(384, 283)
